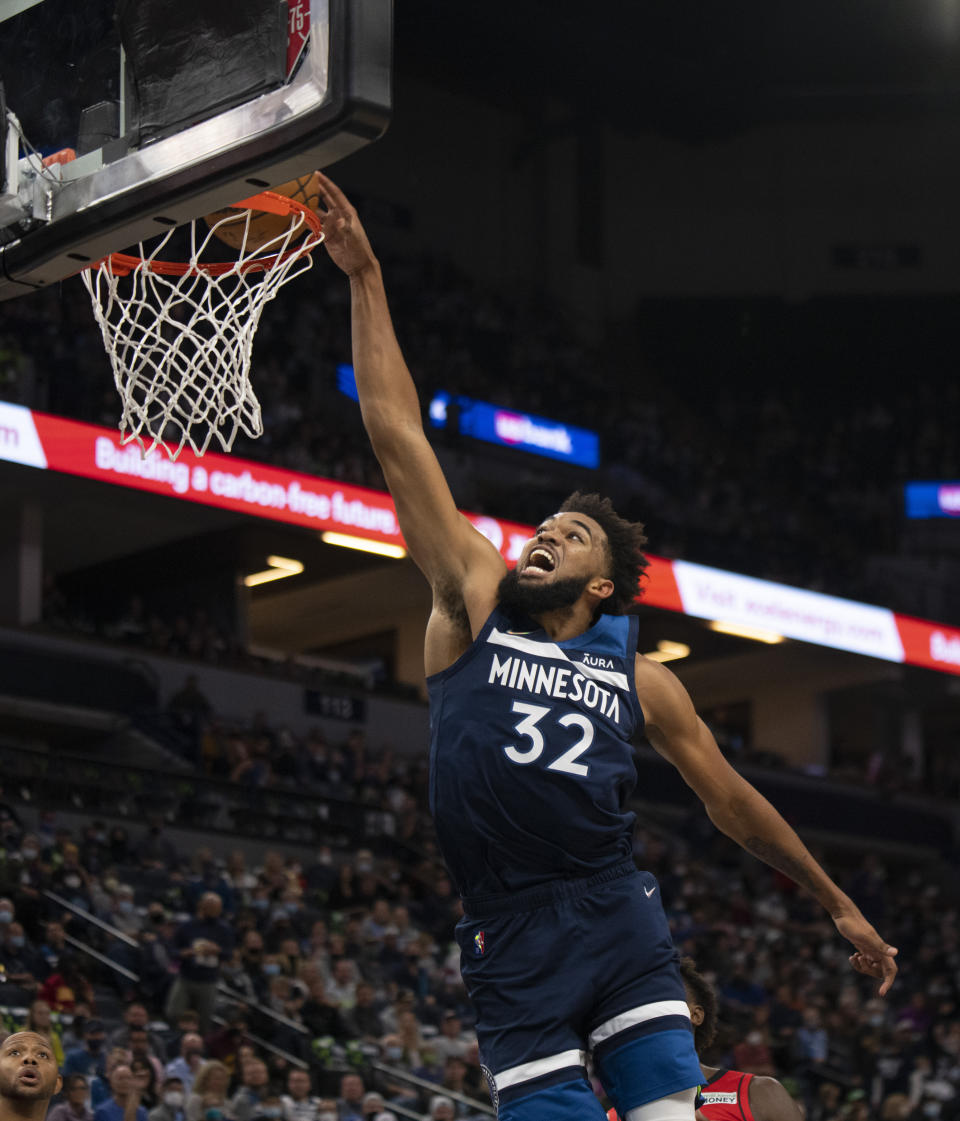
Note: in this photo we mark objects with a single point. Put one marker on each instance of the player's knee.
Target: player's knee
(674, 1107)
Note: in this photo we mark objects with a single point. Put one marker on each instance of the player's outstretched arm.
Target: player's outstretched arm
(741, 811)
(444, 544)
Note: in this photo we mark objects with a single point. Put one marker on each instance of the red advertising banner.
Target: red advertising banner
(44, 441)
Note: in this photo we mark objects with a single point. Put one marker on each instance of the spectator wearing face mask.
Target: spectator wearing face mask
(172, 1100)
(19, 960)
(88, 1059)
(31, 849)
(123, 911)
(7, 913)
(270, 971)
(70, 879)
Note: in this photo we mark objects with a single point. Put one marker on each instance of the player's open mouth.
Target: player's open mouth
(31, 1077)
(540, 560)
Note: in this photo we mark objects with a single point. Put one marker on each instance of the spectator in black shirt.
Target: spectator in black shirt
(154, 850)
(202, 943)
(321, 1015)
(119, 845)
(362, 1021)
(22, 965)
(54, 946)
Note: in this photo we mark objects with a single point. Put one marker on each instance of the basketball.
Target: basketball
(264, 227)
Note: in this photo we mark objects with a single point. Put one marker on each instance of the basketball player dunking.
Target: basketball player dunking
(535, 692)
(727, 1095)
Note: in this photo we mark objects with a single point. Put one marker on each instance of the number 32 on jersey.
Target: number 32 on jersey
(529, 728)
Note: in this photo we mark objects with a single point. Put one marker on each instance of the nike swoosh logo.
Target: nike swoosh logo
(649, 891)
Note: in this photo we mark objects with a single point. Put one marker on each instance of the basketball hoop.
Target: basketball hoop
(179, 335)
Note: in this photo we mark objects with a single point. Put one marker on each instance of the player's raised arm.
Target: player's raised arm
(444, 544)
(742, 812)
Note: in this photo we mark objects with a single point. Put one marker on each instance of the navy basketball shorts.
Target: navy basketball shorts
(577, 967)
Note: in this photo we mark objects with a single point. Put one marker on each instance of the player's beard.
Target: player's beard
(535, 599)
(12, 1088)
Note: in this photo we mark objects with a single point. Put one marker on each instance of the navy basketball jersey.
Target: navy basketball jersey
(530, 757)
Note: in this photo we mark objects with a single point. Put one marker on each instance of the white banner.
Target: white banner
(710, 593)
(19, 442)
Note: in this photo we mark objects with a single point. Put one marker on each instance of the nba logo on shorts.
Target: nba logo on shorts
(478, 943)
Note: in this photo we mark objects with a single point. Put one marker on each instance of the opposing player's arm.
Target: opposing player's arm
(742, 812)
(769, 1101)
(445, 546)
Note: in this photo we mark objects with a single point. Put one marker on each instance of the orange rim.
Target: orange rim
(121, 264)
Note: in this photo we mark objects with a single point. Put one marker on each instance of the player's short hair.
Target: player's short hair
(625, 542)
(703, 994)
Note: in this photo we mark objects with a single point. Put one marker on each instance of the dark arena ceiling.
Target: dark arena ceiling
(687, 68)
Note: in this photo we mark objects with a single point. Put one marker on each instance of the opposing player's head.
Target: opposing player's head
(702, 1002)
(28, 1070)
(585, 551)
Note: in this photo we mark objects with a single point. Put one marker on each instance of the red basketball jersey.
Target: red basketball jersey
(726, 1097)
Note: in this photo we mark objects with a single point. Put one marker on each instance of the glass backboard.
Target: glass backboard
(127, 117)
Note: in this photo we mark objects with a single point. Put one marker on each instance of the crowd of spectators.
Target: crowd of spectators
(344, 959)
(753, 471)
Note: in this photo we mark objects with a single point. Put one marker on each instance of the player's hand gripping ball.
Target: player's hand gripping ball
(264, 226)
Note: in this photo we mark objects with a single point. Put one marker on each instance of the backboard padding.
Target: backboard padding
(185, 64)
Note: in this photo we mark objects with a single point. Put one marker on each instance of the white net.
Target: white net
(180, 337)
